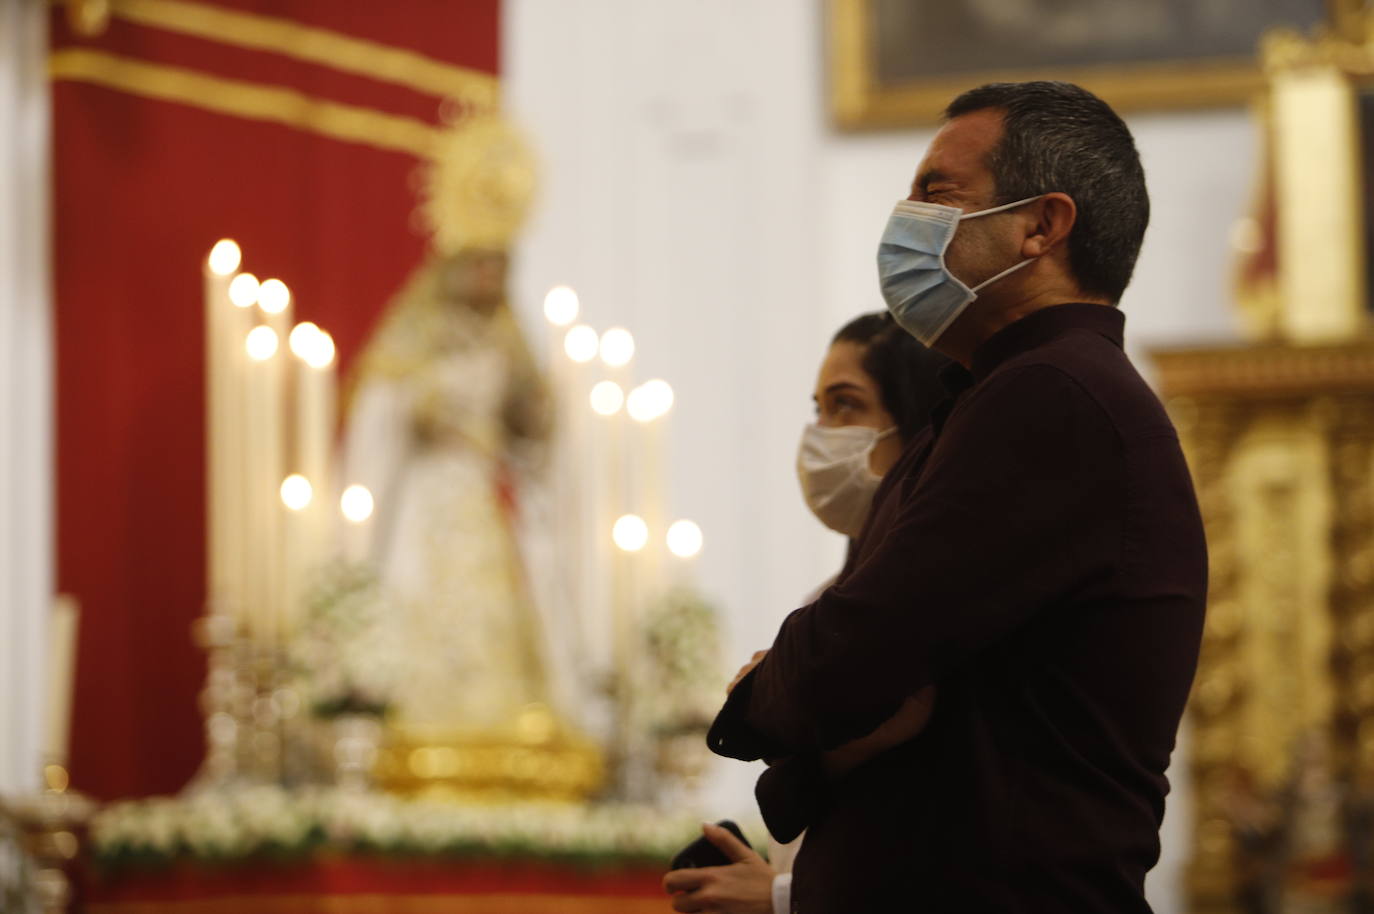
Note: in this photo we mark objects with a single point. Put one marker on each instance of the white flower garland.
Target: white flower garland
(256, 821)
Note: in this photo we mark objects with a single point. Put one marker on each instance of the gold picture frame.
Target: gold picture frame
(860, 99)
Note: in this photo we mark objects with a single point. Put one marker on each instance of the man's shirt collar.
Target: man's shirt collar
(1039, 327)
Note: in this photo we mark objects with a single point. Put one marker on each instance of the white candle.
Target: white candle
(62, 629)
(606, 399)
(630, 534)
(356, 505)
(561, 308)
(649, 406)
(275, 303)
(231, 440)
(296, 500)
(221, 349)
(264, 427)
(684, 540)
(584, 524)
(316, 385)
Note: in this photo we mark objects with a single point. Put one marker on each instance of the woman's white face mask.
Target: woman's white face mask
(836, 480)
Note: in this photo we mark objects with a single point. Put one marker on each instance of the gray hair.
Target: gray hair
(1059, 137)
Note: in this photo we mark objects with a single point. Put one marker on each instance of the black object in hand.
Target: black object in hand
(702, 852)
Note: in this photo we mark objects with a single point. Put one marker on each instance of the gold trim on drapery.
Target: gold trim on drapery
(315, 45)
(240, 98)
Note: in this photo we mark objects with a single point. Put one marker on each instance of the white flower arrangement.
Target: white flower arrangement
(16, 871)
(254, 822)
(682, 635)
(345, 659)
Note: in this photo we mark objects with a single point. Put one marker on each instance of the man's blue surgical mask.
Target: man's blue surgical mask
(922, 294)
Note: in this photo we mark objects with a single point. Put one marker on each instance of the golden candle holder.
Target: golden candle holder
(51, 823)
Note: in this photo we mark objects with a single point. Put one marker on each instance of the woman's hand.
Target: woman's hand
(745, 670)
(745, 886)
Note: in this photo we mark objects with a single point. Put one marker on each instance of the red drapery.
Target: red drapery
(344, 885)
(144, 185)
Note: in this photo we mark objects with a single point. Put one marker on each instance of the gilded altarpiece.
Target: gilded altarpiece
(1281, 442)
(1279, 433)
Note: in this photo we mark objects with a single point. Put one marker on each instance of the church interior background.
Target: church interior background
(398, 406)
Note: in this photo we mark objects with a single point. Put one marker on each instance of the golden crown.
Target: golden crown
(478, 188)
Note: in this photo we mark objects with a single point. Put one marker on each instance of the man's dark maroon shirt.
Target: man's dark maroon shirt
(1038, 556)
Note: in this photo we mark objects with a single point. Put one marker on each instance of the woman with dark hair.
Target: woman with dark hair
(874, 393)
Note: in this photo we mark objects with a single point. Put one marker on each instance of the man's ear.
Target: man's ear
(1055, 214)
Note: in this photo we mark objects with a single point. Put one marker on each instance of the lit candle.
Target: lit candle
(223, 369)
(316, 389)
(297, 501)
(277, 307)
(356, 505)
(630, 534)
(608, 589)
(649, 405)
(684, 540)
(580, 455)
(265, 470)
(561, 308)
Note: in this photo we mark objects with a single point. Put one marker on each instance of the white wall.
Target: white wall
(25, 389)
(694, 192)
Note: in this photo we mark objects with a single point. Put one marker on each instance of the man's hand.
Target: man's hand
(743, 887)
(911, 718)
(744, 671)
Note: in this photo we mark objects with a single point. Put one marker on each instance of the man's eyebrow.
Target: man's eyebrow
(928, 178)
(842, 385)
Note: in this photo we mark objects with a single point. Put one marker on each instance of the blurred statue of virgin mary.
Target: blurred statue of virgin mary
(448, 418)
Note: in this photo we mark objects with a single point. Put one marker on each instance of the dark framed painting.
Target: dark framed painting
(896, 63)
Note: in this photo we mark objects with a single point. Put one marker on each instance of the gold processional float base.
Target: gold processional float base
(537, 758)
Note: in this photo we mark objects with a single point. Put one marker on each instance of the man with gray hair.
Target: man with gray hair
(1037, 556)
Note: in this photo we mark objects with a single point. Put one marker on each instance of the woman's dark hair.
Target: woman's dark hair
(905, 372)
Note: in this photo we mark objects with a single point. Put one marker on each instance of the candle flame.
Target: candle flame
(296, 492)
(356, 503)
(650, 400)
(273, 296)
(617, 347)
(243, 290)
(630, 533)
(684, 539)
(225, 257)
(580, 343)
(561, 306)
(261, 343)
(607, 398)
